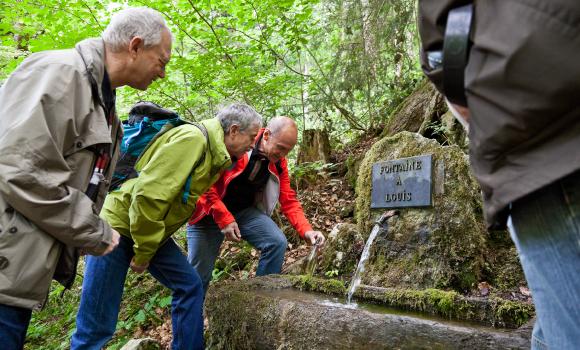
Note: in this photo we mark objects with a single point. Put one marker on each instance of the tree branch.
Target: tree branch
(214, 33)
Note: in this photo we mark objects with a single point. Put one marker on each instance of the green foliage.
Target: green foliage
(52, 327)
(310, 172)
(232, 260)
(146, 315)
(340, 64)
(331, 273)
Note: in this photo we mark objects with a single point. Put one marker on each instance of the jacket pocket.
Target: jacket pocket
(28, 257)
(81, 160)
(12, 222)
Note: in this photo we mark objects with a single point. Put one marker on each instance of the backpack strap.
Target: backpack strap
(187, 186)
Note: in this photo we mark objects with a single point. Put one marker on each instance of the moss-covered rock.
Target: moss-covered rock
(342, 250)
(502, 266)
(320, 285)
(442, 246)
(492, 311)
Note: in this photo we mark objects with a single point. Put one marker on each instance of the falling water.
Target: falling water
(365, 254)
(310, 264)
(361, 264)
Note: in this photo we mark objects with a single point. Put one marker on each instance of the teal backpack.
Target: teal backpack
(147, 121)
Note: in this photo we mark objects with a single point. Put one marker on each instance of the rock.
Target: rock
(491, 311)
(442, 246)
(346, 211)
(142, 344)
(342, 250)
(454, 132)
(423, 106)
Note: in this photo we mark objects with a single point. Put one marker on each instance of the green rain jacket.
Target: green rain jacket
(149, 208)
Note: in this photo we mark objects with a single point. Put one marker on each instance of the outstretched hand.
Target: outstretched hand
(315, 237)
(114, 242)
(138, 268)
(232, 232)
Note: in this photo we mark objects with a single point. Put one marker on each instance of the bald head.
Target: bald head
(279, 138)
(278, 124)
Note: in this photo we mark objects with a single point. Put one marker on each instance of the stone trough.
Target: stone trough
(272, 313)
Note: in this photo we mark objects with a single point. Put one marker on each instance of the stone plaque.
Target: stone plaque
(404, 182)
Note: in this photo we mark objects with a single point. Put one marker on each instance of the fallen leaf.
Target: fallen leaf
(484, 288)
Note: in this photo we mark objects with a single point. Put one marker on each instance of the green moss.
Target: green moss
(450, 304)
(232, 320)
(313, 284)
(444, 301)
(512, 312)
(466, 279)
(352, 166)
(434, 301)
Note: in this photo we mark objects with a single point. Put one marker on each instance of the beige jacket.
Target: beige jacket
(49, 122)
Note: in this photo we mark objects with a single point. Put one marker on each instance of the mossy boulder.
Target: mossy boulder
(442, 246)
(342, 250)
(425, 112)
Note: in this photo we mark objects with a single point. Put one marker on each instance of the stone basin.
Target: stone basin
(272, 313)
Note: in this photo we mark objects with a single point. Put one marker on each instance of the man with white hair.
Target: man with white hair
(58, 138)
(241, 202)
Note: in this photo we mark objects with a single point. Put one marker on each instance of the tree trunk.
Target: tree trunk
(315, 147)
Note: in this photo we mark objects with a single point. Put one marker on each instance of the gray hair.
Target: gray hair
(239, 114)
(126, 24)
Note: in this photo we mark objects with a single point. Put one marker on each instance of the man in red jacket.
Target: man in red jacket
(242, 201)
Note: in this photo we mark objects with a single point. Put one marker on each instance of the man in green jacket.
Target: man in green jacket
(147, 210)
(57, 122)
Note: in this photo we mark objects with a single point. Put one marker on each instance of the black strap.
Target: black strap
(455, 53)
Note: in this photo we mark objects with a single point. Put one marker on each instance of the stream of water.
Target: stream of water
(356, 278)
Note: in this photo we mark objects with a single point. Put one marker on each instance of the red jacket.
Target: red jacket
(277, 189)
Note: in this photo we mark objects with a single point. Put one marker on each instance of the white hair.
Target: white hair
(126, 24)
(238, 113)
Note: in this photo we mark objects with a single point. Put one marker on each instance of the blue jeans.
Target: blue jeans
(205, 238)
(103, 289)
(13, 325)
(545, 227)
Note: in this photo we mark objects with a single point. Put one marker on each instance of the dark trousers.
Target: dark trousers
(13, 325)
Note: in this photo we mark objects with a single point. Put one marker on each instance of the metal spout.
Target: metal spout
(386, 215)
